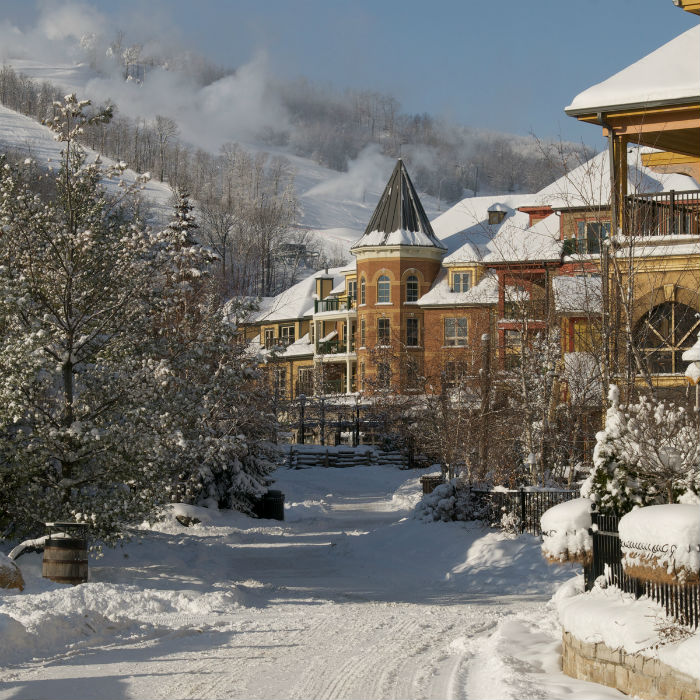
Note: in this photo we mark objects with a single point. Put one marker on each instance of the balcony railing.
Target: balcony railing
(334, 304)
(281, 342)
(535, 309)
(334, 347)
(663, 213)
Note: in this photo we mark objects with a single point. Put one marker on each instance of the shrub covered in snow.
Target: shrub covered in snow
(450, 501)
(565, 531)
(647, 454)
(662, 543)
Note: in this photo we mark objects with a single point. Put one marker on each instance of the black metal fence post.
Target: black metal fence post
(523, 515)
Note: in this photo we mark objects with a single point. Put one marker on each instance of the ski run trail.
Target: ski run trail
(349, 597)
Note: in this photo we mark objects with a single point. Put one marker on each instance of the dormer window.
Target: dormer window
(461, 281)
(383, 290)
(497, 212)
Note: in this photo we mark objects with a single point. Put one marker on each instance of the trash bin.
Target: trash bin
(430, 481)
(272, 505)
(65, 553)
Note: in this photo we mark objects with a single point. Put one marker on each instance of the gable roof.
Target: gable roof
(399, 218)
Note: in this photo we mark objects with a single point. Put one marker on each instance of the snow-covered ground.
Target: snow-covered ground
(349, 597)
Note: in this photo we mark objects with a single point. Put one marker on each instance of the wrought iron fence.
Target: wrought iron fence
(681, 601)
(334, 304)
(525, 506)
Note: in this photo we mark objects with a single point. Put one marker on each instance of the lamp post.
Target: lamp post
(692, 355)
(300, 435)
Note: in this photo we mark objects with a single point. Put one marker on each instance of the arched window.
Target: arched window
(663, 333)
(363, 291)
(412, 288)
(383, 290)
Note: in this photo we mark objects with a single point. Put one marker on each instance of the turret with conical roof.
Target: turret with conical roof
(398, 258)
(399, 218)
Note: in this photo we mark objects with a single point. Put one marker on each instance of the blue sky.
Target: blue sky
(511, 65)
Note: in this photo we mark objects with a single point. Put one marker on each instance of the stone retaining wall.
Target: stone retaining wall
(632, 674)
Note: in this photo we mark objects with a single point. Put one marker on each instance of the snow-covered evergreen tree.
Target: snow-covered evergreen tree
(647, 454)
(120, 385)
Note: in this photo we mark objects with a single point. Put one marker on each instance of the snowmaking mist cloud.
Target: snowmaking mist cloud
(237, 107)
(368, 172)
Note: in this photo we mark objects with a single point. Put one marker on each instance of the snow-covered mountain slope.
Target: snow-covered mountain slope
(33, 140)
(336, 207)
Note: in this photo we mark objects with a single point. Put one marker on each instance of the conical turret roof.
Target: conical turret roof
(399, 218)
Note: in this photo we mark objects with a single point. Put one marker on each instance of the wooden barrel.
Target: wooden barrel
(65, 560)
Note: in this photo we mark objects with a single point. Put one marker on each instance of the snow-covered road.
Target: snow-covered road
(350, 597)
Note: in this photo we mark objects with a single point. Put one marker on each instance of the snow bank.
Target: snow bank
(565, 531)
(10, 576)
(621, 622)
(662, 543)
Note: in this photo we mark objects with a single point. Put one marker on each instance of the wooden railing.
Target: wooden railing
(662, 213)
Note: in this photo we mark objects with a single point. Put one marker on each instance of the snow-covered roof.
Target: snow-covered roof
(464, 229)
(516, 242)
(588, 185)
(303, 346)
(671, 74)
(579, 294)
(440, 294)
(295, 302)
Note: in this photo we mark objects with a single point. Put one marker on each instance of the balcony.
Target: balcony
(334, 304)
(520, 310)
(663, 214)
(334, 347)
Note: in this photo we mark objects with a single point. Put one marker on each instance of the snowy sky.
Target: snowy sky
(509, 66)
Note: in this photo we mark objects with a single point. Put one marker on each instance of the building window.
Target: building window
(449, 375)
(363, 333)
(412, 288)
(287, 334)
(363, 291)
(280, 383)
(269, 338)
(384, 375)
(352, 289)
(412, 332)
(461, 281)
(589, 235)
(383, 331)
(312, 331)
(305, 380)
(413, 379)
(456, 331)
(383, 290)
(664, 334)
(362, 376)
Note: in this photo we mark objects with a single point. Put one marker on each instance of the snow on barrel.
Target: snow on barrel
(662, 543)
(565, 536)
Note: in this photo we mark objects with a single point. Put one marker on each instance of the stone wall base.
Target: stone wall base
(632, 674)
